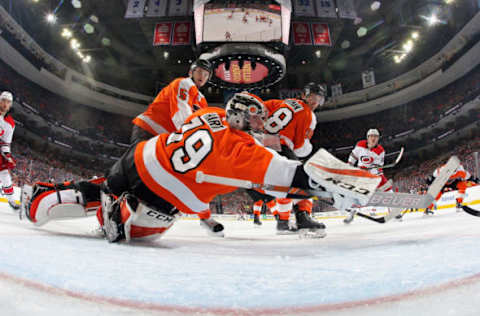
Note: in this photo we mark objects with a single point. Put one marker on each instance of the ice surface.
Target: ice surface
(419, 266)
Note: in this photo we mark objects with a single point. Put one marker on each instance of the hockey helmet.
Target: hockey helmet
(373, 131)
(246, 111)
(7, 96)
(204, 64)
(315, 88)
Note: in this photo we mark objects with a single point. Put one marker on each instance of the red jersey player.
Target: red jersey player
(7, 127)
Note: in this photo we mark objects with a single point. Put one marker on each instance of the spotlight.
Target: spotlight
(74, 44)
(432, 20)
(375, 5)
(66, 33)
(51, 18)
(87, 59)
(408, 46)
(165, 55)
(318, 53)
(415, 35)
(362, 31)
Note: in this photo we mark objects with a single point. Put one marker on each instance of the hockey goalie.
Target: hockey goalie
(155, 181)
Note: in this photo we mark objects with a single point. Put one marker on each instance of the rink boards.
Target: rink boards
(446, 202)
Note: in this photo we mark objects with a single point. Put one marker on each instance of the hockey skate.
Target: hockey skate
(212, 227)
(308, 227)
(256, 220)
(350, 216)
(285, 228)
(112, 222)
(428, 212)
(13, 204)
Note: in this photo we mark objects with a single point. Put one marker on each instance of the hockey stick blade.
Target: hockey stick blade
(471, 211)
(380, 220)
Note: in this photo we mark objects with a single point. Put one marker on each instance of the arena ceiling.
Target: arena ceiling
(122, 53)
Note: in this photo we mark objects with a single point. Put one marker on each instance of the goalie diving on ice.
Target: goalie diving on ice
(155, 181)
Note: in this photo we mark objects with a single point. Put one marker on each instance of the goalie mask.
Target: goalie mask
(246, 112)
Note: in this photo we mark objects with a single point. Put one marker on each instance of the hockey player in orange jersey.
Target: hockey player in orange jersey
(155, 179)
(294, 121)
(173, 104)
(170, 109)
(459, 181)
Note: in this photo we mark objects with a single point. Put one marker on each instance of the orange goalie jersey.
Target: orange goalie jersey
(168, 164)
(171, 107)
(293, 120)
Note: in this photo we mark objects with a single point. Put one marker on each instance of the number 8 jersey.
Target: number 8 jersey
(167, 164)
(293, 120)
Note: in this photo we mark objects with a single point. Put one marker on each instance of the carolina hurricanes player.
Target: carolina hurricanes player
(170, 109)
(369, 154)
(7, 127)
(294, 121)
(155, 179)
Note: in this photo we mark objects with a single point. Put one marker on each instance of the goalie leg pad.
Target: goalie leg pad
(54, 205)
(128, 218)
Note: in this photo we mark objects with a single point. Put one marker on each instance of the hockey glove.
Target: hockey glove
(8, 161)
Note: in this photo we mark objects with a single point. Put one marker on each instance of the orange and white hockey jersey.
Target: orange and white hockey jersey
(167, 164)
(368, 158)
(460, 174)
(293, 120)
(172, 106)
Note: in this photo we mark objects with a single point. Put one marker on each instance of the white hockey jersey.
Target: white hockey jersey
(371, 159)
(7, 126)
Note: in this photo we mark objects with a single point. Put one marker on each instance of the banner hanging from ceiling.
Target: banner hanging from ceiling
(179, 8)
(182, 33)
(303, 8)
(157, 8)
(346, 9)
(368, 78)
(326, 9)
(135, 9)
(321, 34)
(301, 33)
(162, 34)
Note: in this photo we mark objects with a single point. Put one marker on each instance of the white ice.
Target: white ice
(421, 266)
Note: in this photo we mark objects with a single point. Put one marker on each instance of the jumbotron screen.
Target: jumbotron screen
(242, 22)
(241, 75)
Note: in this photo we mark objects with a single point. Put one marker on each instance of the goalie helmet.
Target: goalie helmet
(315, 88)
(246, 112)
(204, 64)
(373, 131)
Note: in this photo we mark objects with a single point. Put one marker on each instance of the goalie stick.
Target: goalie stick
(402, 200)
(432, 192)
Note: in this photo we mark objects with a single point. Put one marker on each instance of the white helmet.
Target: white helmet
(373, 131)
(246, 112)
(7, 96)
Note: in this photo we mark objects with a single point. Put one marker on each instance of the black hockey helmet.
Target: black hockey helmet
(315, 88)
(204, 64)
